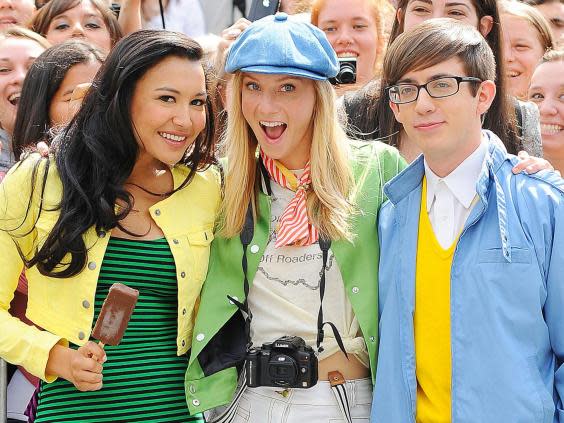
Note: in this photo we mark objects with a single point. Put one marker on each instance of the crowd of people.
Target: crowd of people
(350, 210)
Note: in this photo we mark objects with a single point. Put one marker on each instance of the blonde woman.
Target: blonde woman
(527, 36)
(298, 232)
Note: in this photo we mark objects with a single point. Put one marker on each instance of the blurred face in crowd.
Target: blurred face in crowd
(547, 91)
(16, 56)
(84, 22)
(553, 11)
(351, 28)
(279, 110)
(68, 98)
(418, 11)
(522, 51)
(444, 128)
(15, 12)
(168, 109)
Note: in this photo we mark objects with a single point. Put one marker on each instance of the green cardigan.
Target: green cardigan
(211, 378)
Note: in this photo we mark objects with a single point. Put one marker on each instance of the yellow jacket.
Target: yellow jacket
(64, 307)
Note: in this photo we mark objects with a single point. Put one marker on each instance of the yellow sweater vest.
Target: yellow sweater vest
(432, 322)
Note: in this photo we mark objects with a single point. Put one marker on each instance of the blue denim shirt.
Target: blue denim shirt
(507, 299)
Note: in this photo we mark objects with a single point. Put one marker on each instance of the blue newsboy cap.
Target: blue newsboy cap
(281, 45)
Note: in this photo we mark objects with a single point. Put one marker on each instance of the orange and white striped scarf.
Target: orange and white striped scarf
(294, 227)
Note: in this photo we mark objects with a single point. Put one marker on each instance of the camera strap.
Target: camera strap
(161, 10)
(246, 237)
(325, 245)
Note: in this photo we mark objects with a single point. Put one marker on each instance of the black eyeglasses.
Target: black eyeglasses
(436, 88)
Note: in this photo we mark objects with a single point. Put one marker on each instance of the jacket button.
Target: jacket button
(85, 304)
(102, 234)
(81, 335)
(92, 265)
(255, 249)
(183, 343)
(355, 290)
(183, 311)
(372, 339)
(192, 389)
(175, 241)
(200, 337)
(196, 403)
(158, 212)
(182, 274)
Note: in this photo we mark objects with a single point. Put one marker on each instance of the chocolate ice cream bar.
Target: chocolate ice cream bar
(115, 314)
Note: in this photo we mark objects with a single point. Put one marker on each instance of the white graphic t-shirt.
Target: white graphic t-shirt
(284, 296)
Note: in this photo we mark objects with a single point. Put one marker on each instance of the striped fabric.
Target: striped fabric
(294, 227)
(143, 376)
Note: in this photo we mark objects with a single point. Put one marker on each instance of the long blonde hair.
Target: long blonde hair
(328, 203)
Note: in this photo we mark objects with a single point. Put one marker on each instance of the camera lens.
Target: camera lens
(283, 370)
(347, 74)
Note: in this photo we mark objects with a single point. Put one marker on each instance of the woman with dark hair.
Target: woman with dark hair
(128, 196)
(516, 124)
(89, 20)
(49, 97)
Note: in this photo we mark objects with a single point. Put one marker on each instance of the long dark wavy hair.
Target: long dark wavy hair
(96, 153)
(41, 83)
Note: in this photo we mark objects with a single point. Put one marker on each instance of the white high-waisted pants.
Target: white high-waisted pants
(313, 405)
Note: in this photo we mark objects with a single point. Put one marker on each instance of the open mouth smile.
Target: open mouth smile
(551, 129)
(173, 138)
(273, 129)
(14, 99)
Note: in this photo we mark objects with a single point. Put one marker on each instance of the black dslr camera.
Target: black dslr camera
(287, 362)
(347, 71)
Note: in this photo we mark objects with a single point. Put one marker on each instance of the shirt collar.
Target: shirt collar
(461, 182)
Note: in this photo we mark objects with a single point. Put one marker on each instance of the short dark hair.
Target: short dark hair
(428, 44)
(436, 41)
(501, 118)
(39, 87)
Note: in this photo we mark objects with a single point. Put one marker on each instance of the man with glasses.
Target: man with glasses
(471, 294)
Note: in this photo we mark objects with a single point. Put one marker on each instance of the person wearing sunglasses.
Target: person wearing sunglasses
(470, 274)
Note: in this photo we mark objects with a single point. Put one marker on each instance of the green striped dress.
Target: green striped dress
(143, 376)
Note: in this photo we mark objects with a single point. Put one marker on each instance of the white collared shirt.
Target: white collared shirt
(450, 199)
